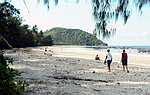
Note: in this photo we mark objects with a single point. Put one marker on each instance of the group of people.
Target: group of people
(48, 52)
(108, 60)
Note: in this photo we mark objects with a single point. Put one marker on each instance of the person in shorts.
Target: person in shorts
(124, 60)
(108, 59)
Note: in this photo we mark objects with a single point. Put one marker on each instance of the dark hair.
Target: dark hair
(108, 50)
(124, 50)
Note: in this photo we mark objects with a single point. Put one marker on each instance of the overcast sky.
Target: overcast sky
(71, 15)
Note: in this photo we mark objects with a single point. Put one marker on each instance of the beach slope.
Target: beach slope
(55, 75)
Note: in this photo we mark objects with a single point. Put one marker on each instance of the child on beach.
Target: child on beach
(108, 59)
(124, 60)
(96, 57)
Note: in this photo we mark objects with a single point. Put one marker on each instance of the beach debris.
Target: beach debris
(118, 83)
(93, 72)
(76, 83)
(63, 77)
(97, 89)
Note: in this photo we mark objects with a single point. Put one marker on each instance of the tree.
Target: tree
(9, 84)
(106, 10)
(46, 41)
(8, 20)
(12, 32)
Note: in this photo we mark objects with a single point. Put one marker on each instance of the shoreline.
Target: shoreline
(54, 75)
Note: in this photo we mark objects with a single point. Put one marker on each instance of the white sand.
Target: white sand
(89, 53)
(73, 71)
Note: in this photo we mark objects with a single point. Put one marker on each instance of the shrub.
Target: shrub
(9, 83)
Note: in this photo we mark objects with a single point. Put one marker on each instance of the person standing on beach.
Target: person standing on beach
(108, 59)
(124, 60)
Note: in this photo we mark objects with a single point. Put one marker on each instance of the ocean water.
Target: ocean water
(133, 47)
(70, 50)
(119, 49)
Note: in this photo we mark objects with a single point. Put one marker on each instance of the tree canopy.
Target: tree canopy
(15, 34)
(104, 11)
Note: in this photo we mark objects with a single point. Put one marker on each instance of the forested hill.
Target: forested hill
(73, 37)
(15, 34)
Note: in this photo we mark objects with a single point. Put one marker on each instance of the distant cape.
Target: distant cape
(63, 36)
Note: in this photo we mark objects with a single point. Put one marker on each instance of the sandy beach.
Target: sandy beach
(72, 70)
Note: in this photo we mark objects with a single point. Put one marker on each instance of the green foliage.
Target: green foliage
(46, 41)
(9, 84)
(106, 10)
(73, 37)
(14, 32)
